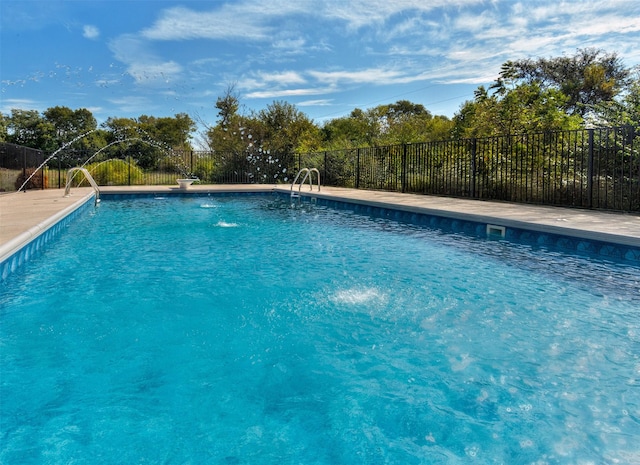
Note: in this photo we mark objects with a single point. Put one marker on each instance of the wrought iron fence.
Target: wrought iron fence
(590, 168)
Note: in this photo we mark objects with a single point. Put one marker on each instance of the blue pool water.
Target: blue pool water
(238, 330)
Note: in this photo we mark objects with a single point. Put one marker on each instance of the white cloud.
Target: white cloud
(90, 32)
(360, 13)
(251, 19)
(17, 103)
(143, 65)
(371, 75)
(264, 78)
(286, 93)
(229, 21)
(132, 104)
(316, 103)
(291, 45)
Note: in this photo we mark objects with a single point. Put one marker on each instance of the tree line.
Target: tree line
(590, 88)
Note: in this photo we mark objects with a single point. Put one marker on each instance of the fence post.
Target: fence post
(473, 167)
(358, 168)
(590, 170)
(403, 175)
(24, 165)
(324, 171)
(42, 176)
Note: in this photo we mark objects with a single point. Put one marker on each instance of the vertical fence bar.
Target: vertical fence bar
(403, 175)
(358, 168)
(473, 168)
(590, 168)
(324, 166)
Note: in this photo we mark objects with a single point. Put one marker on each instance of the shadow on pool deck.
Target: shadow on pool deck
(24, 215)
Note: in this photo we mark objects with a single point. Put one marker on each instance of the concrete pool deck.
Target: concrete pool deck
(24, 215)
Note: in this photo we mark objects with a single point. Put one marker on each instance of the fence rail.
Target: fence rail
(589, 168)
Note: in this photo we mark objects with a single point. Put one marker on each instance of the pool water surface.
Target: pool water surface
(239, 330)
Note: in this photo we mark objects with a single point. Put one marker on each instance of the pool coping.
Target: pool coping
(605, 228)
(52, 215)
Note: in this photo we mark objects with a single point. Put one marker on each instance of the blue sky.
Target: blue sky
(159, 58)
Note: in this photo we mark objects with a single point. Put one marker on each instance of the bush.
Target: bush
(114, 172)
(204, 169)
(39, 181)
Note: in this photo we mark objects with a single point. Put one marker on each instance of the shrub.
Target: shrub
(204, 169)
(114, 172)
(39, 181)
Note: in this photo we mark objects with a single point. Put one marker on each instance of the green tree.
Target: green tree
(589, 77)
(355, 130)
(395, 123)
(514, 107)
(228, 106)
(29, 128)
(236, 138)
(287, 129)
(148, 139)
(4, 127)
(174, 132)
(77, 131)
(623, 111)
(261, 145)
(69, 124)
(406, 122)
(125, 140)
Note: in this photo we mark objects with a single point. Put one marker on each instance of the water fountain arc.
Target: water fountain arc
(186, 178)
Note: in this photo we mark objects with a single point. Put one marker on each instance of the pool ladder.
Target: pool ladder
(308, 174)
(87, 175)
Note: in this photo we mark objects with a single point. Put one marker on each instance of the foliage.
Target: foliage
(69, 124)
(589, 77)
(228, 106)
(173, 132)
(286, 130)
(204, 169)
(30, 129)
(148, 139)
(522, 108)
(397, 123)
(621, 112)
(114, 172)
(346, 132)
(4, 122)
(38, 181)
(260, 146)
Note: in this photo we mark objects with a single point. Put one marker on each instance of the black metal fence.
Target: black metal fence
(590, 168)
(17, 163)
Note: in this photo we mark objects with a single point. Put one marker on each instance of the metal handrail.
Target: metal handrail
(308, 175)
(89, 178)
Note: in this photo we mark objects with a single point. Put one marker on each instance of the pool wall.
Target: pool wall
(17, 252)
(492, 229)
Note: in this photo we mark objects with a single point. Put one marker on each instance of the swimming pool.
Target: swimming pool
(241, 330)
